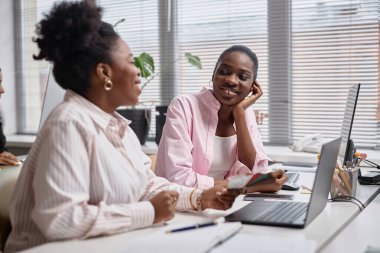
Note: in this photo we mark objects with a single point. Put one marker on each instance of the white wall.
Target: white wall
(7, 64)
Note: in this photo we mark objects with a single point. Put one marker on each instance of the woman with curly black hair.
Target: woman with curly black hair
(86, 174)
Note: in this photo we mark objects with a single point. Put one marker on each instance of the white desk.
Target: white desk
(361, 233)
(325, 227)
(276, 153)
(285, 154)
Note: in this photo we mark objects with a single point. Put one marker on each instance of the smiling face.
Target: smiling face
(125, 76)
(233, 78)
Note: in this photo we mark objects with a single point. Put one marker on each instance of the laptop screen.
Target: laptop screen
(323, 177)
(348, 120)
(53, 96)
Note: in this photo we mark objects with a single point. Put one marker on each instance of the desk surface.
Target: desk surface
(323, 229)
(276, 153)
(285, 154)
(361, 233)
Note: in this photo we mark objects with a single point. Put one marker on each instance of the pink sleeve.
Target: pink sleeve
(174, 156)
(261, 162)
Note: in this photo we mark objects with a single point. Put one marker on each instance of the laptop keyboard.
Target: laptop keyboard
(291, 183)
(283, 212)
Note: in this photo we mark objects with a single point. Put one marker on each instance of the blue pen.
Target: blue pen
(198, 225)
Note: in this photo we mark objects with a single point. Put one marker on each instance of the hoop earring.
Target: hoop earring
(211, 83)
(108, 85)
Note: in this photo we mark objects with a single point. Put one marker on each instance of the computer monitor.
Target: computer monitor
(346, 146)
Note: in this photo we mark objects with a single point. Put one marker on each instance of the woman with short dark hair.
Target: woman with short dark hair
(212, 135)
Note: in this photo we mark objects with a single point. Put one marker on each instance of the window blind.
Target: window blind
(335, 44)
(195, 30)
(310, 53)
(141, 31)
(279, 48)
(207, 27)
(31, 75)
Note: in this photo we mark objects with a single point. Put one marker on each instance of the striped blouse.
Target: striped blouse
(85, 176)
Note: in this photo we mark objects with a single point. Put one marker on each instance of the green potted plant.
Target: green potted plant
(141, 117)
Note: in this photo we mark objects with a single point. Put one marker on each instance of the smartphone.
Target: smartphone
(298, 164)
(253, 196)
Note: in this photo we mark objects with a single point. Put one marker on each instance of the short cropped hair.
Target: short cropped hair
(243, 49)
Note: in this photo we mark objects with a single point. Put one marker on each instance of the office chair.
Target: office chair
(8, 178)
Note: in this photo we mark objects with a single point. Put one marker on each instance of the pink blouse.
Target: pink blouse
(186, 148)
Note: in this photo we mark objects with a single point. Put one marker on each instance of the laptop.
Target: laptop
(54, 95)
(289, 213)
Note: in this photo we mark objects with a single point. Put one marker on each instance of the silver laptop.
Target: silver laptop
(290, 213)
(54, 95)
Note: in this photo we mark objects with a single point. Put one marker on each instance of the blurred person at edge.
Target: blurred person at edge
(6, 158)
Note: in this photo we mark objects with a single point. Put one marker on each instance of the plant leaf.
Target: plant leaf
(145, 63)
(194, 60)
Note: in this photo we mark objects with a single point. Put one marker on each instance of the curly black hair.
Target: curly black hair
(243, 49)
(75, 39)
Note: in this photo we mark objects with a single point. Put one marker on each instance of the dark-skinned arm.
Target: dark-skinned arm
(246, 149)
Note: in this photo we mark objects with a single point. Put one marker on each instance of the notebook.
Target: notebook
(289, 213)
(266, 243)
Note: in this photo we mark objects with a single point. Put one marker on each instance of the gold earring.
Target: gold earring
(108, 85)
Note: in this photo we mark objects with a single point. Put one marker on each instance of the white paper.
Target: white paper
(190, 241)
(238, 182)
(265, 244)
